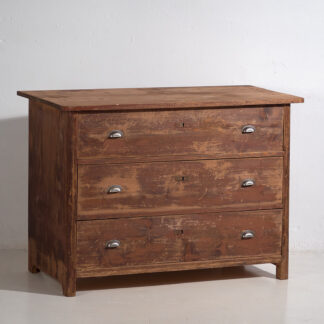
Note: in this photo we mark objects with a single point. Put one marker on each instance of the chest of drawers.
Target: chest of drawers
(125, 181)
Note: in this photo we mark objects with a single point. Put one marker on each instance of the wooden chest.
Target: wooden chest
(125, 181)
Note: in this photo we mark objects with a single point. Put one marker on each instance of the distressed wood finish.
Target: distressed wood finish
(177, 133)
(177, 187)
(179, 266)
(282, 266)
(181, 164)
(171, 239)
(52, 187)
(211, 156)
(159, 98)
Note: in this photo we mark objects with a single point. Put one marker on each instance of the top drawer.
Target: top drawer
(201, 133)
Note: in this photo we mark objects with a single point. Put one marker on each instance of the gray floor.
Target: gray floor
(248, 294)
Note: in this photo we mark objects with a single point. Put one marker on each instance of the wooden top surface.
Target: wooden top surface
(159, 98)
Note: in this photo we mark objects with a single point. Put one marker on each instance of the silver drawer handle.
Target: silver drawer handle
(114, 189)
(116, 134)
(248, 234)
(112, 244)
(248, 183)
(248, 129)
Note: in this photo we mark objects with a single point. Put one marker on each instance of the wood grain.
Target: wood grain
(178, 266)
(159, 98)
(172, 134)
(282, 266)
(186, 157)
(181, 164)
(170, 239)
(159, 188)
(51, 203)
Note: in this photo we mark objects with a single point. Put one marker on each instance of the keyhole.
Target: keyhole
(179, 231)
(181, 178)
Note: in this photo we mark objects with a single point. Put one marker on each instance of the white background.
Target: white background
(74, 44)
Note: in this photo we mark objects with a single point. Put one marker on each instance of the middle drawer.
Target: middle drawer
(159, 188)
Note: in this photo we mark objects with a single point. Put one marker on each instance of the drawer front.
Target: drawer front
(180, 133)
(165, 239)
(161, 188)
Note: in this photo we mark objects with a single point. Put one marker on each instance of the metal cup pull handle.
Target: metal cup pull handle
(248, 234)
(248, 183)
(112, 244)
(114, 189)
(116, 134)
(248, 129)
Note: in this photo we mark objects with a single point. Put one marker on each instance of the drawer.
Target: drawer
(202, 132)
(177, 187)
(104, 244)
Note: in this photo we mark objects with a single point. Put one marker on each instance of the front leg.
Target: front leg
(282, 269)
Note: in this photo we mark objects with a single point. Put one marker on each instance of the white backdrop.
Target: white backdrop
(277, 44)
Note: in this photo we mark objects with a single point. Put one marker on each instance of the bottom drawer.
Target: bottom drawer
(168, 239)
